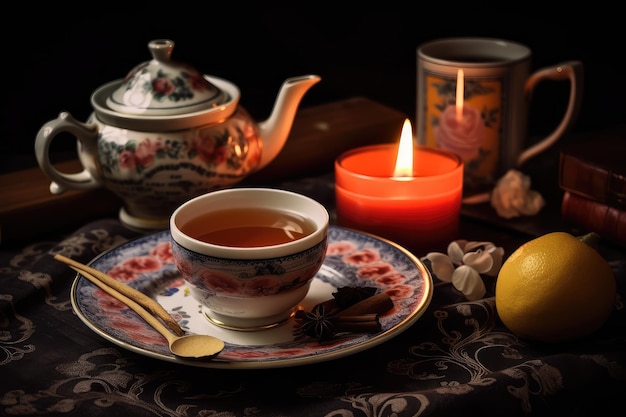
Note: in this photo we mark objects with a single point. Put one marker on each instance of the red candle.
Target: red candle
(420, 212)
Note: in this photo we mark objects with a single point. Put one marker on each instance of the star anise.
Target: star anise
(317, 323)
(360, 315)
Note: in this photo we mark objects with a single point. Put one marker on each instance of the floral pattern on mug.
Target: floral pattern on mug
(473, 133)
(463, 136)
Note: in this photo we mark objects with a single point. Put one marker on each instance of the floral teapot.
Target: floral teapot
(166, 133)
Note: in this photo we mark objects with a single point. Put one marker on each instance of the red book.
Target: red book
(596, 169)
(607, 221)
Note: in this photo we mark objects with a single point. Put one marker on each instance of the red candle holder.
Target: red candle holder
(419, 212)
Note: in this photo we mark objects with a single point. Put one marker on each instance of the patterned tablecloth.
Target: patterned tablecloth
(457, 359)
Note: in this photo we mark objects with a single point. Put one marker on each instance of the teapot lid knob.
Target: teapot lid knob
(164, 87)
(161, 49)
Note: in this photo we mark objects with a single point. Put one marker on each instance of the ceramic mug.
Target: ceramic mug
(484, 118)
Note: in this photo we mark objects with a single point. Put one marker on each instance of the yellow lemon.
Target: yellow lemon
(555, 288)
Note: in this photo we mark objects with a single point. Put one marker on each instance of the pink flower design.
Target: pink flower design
(122, 273)
(219, 283)
(142, 264)
(362, 257)
(340, 248)
(262, 285)
(126, 159)
(391, 279)
(107, 303)
(137, 330)
(128, 324)
(146, 152)
(206, 147)
(148, 338)
(163, 252)
(462, 137)
(374, 270)
(162, 85)
(399, 292)
(176, 315)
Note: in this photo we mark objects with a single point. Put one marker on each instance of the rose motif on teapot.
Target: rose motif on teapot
(157, 170)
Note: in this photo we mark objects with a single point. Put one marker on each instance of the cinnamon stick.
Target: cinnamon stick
(126, 290)
(366, 323)
(329, 307)
(378, 303)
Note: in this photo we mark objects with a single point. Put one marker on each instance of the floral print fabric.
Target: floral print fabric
(457, 359)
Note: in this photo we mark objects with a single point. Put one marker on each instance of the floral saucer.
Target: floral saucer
(352, 259)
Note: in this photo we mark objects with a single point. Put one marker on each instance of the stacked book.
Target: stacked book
(592, 174)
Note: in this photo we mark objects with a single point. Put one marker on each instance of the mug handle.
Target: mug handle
(86, 135)
(572, 71)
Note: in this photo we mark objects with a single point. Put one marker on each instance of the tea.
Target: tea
(248, 227)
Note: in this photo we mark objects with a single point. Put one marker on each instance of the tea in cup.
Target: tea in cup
(248, 255)
(473, 98)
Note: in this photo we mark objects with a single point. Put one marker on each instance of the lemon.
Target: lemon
(555, 288)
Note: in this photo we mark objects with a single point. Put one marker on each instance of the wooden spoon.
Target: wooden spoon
(193, 346)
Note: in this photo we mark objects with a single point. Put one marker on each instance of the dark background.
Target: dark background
(54, 62)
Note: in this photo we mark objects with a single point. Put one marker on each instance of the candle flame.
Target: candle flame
(460, 87)
(404, 160)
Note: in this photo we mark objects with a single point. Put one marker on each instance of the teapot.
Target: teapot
(167, 133)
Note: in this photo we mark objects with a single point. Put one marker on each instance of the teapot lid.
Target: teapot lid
(164, 87)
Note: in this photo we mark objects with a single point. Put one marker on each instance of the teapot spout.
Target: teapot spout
(275, 130)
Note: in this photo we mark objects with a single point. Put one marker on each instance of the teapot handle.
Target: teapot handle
(86, 136)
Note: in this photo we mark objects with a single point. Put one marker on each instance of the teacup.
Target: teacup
(248, 255)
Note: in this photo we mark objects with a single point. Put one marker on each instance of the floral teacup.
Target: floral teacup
(242, 278)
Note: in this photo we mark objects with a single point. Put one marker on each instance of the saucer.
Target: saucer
(352, 259)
